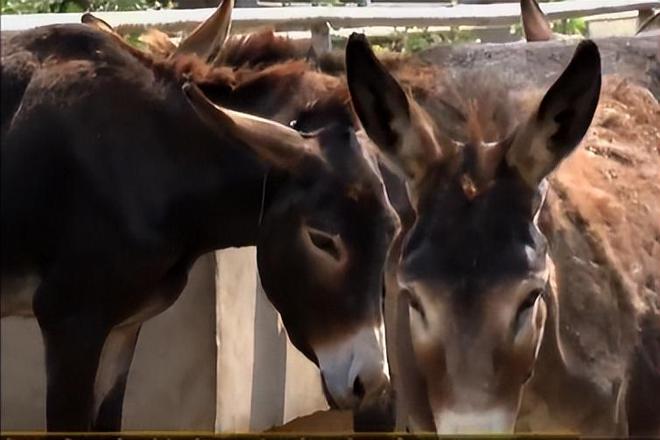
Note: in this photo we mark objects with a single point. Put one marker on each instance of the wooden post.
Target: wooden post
(321, 37)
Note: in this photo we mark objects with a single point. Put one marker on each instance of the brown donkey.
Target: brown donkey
(131, 179)
(474, 265)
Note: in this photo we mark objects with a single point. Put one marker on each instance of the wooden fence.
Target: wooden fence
(318, 18)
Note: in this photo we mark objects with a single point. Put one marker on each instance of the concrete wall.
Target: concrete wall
(201, 365)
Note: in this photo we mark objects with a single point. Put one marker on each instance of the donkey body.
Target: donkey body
(114, 181)
(480, 302)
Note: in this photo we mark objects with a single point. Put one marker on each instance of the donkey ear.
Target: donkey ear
(396, 124)
(650, 25)
(562, 118)
(207, 38)
(535, 23)
(101, 25)
(93, 21)
(273, 143)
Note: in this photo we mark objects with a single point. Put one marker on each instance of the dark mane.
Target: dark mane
(312, 98)
(262, 48)
(258, 66)
(333, 106)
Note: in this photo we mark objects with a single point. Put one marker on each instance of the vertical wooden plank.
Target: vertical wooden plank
(304, 393)
(236, 285)
(269, 369)
(171, 383)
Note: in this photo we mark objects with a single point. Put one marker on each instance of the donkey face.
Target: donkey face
(322, 243)
(474, 263)
(321, 253)
(474, 267)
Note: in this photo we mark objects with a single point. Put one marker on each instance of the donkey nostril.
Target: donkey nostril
(358, 388)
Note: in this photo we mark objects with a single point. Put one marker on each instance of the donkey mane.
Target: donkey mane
(262, 48)
(329, 97)
(265, 48)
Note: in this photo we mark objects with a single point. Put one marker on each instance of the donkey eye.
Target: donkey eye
(530, 300)
(324, 242)
(414, 303)
(526, 306)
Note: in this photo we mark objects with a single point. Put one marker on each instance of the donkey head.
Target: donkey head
(474, 262)
(322, 243)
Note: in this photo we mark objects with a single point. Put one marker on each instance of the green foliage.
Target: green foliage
(572, 26)
(41, 6)
(416, 40)
(133, 39)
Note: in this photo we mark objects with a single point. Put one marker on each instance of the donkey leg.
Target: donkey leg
(72, 354)
(116, 359)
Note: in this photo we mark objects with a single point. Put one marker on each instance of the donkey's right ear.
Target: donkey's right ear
(396, 124)
(561, 120)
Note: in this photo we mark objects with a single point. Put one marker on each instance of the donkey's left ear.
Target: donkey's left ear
(561, 120)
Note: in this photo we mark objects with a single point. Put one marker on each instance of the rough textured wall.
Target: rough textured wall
(537, 64)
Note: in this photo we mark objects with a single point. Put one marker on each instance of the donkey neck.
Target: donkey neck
(227, 196)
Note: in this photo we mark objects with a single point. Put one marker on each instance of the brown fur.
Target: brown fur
(603, 222)
(262, 48)
(602, 219)
(612, 188)
(157, 42)
(59, 77)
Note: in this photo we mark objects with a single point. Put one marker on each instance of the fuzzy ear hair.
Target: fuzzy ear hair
(561, 120)
(158, 42)
(394, 121)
